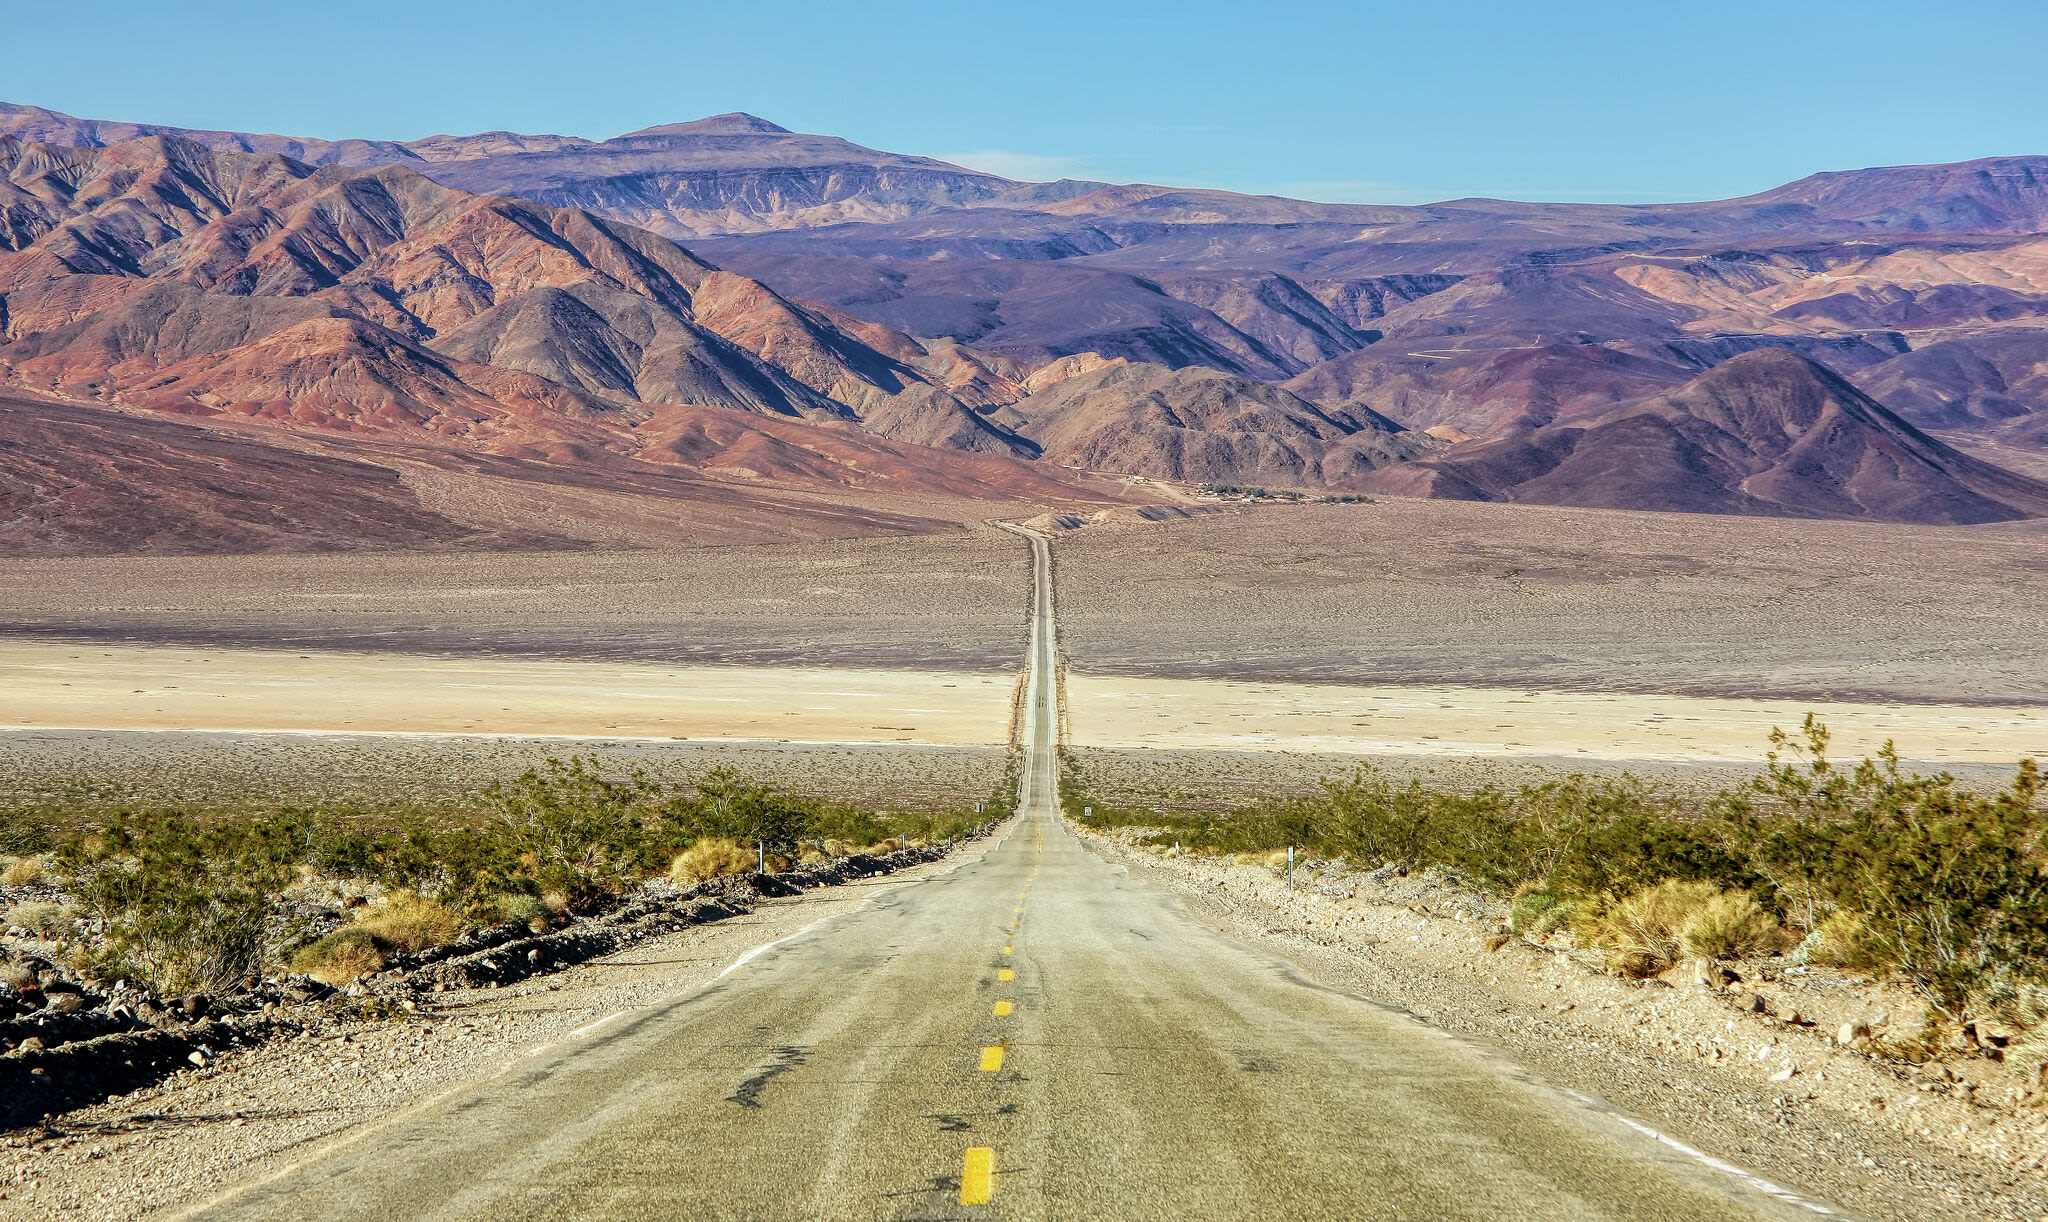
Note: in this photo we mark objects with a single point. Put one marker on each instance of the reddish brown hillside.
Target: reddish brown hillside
(1765, 433)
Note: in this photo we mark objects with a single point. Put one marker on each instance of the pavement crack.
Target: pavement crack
(787, 1057)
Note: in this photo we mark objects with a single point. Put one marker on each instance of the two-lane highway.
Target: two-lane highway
(1033, 1034)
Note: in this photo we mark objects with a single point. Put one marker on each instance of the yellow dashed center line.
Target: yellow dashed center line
(1009, 950)
(978, 1176)
(992, 1058)
(1006, 974)
(1002, 1009)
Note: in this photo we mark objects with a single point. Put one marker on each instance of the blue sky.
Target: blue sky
(1368, 102)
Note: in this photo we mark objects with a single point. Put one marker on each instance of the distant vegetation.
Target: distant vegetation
(1868, 868)
(1256, 494)
(184, 902)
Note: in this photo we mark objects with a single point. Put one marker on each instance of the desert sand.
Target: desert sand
(1110, 711)
(58, 685)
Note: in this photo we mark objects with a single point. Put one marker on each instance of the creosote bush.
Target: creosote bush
(1868, 867)
(186, 902)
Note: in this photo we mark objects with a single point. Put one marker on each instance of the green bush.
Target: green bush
(1923, 878)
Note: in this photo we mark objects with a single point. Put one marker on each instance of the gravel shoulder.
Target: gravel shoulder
(165, 1149)
(1706, 1066)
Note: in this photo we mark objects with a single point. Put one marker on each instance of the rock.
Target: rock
(32, 1044)
(1709, 974)
(195, 1006)
(1849, 1033)
(65, 1003)
(1785, 1074)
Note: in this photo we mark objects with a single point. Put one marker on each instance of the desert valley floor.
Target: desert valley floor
(1444, 639)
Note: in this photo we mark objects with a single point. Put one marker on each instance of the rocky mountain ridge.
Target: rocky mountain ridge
(934, 305)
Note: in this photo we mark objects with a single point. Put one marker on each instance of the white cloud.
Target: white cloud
(1025, 167)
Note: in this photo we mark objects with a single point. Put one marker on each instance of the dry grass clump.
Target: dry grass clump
(1652, 929)
(407, 923)
(1272, 859)
(1730, 925)
(340, 957)
(39, 917)
(1843, 940)
(711, 858)
(20, 871)
(403, 923)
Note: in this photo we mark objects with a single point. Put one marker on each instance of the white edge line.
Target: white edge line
(747, 958)
(587, 1028)
(1754, 1181)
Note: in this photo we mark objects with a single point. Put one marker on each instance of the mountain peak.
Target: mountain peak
(736, 123)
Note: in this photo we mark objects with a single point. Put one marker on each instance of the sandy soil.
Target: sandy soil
(1125, 712)
(1405, 591)
(139, 687)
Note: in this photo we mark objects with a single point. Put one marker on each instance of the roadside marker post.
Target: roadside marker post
(1290, 865)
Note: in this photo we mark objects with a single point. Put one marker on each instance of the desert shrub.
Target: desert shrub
(39, 917)
(407, 924)
(709, 858)
(194, 940)
(1843, 940)
(1730, 925)
(341, 957)
(523, 908)
(21, 871)
(1538, 911)
(580, 833)
(1642, 934)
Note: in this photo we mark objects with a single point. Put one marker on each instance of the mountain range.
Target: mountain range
(757, 314)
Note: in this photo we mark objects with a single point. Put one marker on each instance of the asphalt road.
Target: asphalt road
(1031, 1035)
